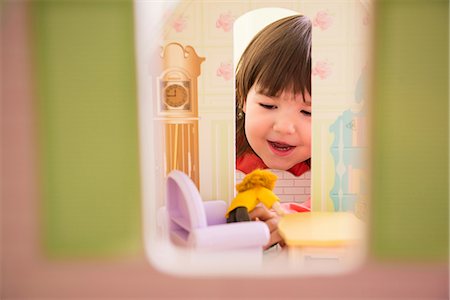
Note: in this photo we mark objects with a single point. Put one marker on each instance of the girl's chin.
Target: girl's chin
(278, 166)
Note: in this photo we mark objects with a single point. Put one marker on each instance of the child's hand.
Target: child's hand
(277, 207)
(271, 219)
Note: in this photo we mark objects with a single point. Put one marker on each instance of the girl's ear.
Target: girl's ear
(244, 105)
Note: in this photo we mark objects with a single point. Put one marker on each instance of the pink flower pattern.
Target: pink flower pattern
(323, 20)
(225, 70)
(225, 21)
(322, 69)
(179, 24)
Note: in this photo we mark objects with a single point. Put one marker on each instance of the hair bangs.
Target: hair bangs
(284, 76)
(287, 65)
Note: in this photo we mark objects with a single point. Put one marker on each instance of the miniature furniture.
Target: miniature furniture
(326, 239)
(202, 225)
(178, 108)
(321, 229)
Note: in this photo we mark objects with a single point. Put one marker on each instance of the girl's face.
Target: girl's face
(279, 128)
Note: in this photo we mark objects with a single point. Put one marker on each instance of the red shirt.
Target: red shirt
(250, 161)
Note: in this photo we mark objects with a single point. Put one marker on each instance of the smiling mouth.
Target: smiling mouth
(281, 147)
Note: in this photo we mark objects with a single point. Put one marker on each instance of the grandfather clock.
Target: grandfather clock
(178, 108)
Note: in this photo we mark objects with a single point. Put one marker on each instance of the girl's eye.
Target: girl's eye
(306, 113)
(267, 106)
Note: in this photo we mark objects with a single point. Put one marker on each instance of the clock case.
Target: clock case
(177, 109)
(181, 68)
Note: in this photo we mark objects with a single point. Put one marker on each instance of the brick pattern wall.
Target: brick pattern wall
(289, 188)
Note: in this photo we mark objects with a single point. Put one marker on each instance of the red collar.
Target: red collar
(249, 162)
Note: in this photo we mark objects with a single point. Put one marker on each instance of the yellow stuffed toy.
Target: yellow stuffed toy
(256, 187)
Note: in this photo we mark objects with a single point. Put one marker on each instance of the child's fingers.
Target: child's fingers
(271, 219)
(274, 239)
(272, 224)
(261, 213)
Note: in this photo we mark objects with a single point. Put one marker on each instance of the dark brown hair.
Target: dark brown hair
(277, 59)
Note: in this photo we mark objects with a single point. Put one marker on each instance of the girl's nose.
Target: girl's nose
(284, 125)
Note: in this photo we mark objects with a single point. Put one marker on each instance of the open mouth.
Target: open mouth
(281, 147)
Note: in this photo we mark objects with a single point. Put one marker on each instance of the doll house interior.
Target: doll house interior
(185, 79)
(85, 187)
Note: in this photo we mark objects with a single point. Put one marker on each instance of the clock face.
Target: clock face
(175, 95)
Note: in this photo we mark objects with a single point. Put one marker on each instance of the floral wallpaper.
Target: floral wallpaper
(340, 38)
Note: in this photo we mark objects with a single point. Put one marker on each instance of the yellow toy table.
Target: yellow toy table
(323, 239)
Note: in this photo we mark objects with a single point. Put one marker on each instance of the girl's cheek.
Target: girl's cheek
(304, 123)
(305, 129)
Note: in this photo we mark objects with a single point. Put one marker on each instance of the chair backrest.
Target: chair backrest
(184, 207)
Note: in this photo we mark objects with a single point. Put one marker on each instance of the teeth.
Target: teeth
(281, 147)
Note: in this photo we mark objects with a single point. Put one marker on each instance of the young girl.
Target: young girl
(273, 104)
(273, 99)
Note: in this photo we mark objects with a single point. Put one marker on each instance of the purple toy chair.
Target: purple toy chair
(202, 225)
